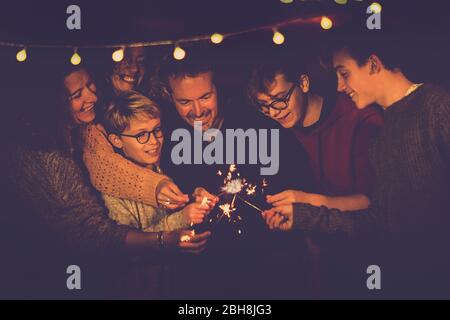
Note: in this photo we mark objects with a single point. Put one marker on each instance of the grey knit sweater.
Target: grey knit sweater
(52, 186)
(411, 199)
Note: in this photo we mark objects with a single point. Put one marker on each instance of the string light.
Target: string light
(76, 59)
(278, 37)
(216, 38)
(375, 7)
(326, 23)
(21, 56)
(179, 53)
(118, 55)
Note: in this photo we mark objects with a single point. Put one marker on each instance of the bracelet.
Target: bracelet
(161, 239)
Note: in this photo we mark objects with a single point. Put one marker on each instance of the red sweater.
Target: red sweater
(337, 147)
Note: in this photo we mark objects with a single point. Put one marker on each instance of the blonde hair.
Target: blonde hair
(125, 107)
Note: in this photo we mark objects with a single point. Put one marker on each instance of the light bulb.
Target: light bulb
(76, 59)
(326, 23)
(216, 38)
(179, 53)
(375, 7)
(117, 55)
(278, 37)
(21, 56)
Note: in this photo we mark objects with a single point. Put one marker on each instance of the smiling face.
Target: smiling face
(279, 89)
(128, 74)
(354, 80)
(81, 95)
(195, 99)
(146, 154)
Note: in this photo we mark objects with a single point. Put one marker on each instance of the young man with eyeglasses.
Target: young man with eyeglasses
(336, 136)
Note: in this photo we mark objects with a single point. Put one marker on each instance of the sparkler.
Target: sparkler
(187, 237)
(235, 185)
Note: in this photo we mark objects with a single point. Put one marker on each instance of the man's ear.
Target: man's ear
(375, 64)
(115, 140)
(304, 83)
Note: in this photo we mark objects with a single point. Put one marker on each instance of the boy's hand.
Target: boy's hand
(280, 218)
(287, 197)
(207, 199)
(195, 213)
(169, 195)
(186, 240)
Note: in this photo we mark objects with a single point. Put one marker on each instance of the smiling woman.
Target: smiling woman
(127, 75)
(81, 94)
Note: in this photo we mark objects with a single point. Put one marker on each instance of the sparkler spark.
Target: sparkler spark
(233, 186)
(251, 189)
(205, 202)
(187, 237)
(227, 209)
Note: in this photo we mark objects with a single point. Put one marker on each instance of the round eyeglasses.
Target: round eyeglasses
(144, 136)
(277, 104)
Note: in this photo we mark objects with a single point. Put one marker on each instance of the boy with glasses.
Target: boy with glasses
(134, 129)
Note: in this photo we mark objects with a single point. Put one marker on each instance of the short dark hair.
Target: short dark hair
(389, 48)
(271, 64)
(197, 61)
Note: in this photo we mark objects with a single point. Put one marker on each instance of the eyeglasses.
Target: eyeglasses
(144, 136)
(277, 104)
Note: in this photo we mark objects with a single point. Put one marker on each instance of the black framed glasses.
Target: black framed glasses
(144, 136)
(277, 104)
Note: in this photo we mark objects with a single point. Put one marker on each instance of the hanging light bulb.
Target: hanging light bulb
(341, 1)
(76, 59)
(375, 7)
(179, 53)
(326, 23)
(216, 38)
(118, 55)
(21, 56)
(278, 37)
(286, 1)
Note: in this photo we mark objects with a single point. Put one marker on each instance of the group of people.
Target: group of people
(362, 180)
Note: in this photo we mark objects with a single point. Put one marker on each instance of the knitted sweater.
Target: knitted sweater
(114, 175)
(142, 216)
(411, 162)
(51, 186)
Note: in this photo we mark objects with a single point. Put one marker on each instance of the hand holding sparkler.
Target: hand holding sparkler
(288, 197)
(205, 198)
(170, 196)
(186, 241)
(280, 218)
(196, 212)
